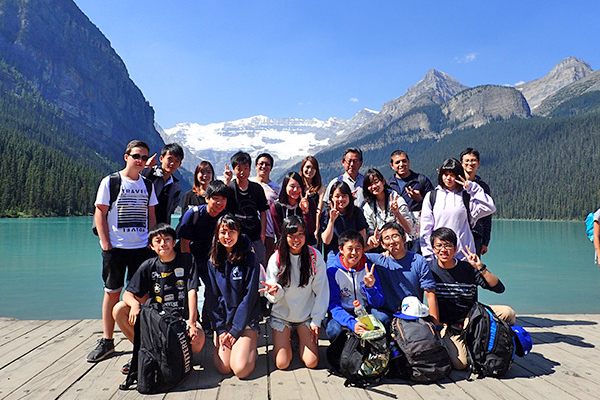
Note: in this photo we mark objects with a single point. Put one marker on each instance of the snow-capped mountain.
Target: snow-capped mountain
(286, 139)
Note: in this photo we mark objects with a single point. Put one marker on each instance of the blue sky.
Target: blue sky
(198, 61)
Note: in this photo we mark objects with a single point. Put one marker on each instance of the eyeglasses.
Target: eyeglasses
(394, 236)
(263, 164)
(353, 161)
(137, 156)
(447, 246)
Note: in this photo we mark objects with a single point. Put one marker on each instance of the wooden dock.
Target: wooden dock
(46, 360)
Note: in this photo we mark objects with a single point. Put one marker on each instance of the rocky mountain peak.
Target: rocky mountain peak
(567, 71)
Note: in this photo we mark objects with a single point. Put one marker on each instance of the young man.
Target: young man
(264, 165)
(482, 230)
(412, 186)
(456, 291)
(198, 225)
(169, 279)
(401, 273)
(351, 278)
(352, 160)
(248, 203)
(166, 186)
(123, 230)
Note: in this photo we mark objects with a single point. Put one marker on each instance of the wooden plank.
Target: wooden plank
(103, 379)
(204, 380)
(15, 330)
(68, 354)
(32, 340)
(488, 388)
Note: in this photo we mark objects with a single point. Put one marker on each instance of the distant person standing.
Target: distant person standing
(309, 171)
(264, 165)
(122, 225)
(482, 231)
(352, 160)
(203, 175)
(248, 203)
(412, 186)
(166, 186)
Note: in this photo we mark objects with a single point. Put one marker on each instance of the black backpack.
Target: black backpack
(162, 353)
(422, 356)
(362, 362)
(490, 342)
(114, 185)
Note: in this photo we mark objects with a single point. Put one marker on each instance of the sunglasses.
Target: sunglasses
(137, 156)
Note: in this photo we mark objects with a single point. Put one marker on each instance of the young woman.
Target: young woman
(203, 175)
(309, 171)
(294, 201)
(297, 285)
(457, 203)
(231, 298)
(383, 204)
(339, 216)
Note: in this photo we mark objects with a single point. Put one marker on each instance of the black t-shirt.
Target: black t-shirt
(246, 206)
(191, 199)
(342, 224)
(456, 289)
(200, 233)
(166, 283)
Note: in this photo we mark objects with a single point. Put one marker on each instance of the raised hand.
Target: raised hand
(304, 204)
(472, 258)
(369, 278)
(227, 174)
(373, 240)
(151, 161)
(463, 182)
(271, 288)
(333, 212)
(414, 194)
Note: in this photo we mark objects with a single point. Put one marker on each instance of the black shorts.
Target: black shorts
(115, 261)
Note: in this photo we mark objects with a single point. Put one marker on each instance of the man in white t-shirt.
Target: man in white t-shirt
(264, 166)
(122, 221)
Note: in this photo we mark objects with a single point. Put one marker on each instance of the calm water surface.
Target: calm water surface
(51, 268)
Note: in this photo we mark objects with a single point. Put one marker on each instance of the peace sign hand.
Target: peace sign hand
(369, 276)
(373, 240)
(227, 174)
(462, 181)
(271, 288)
(333, 212)
(472, 258)
(304, 204)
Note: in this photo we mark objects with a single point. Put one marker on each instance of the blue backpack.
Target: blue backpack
(589, 226)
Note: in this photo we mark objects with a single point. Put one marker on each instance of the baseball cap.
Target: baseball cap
(523, 343)
(412, 308)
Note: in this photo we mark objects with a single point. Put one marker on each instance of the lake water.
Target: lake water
(51, 268)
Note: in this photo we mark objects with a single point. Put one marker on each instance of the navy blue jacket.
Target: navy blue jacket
(231, 296)
(417, 182)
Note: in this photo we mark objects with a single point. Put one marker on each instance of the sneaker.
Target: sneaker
(125, 368)
(104, 348)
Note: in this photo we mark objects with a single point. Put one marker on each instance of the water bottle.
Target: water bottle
(362, 315)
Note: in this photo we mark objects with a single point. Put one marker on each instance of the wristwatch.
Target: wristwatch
(483, 268)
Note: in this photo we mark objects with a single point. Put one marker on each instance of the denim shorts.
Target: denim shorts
(280, 324)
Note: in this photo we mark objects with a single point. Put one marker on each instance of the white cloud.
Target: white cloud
(468, 58)
(353, 100)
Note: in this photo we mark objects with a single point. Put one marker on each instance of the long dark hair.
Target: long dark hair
(200, 167)
(345, 189)
(283, 197)
(290, 226)
(370, 198)
(450, 165)
(316, 182)
(218, 254)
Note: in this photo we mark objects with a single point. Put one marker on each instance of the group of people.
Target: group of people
(307, 249)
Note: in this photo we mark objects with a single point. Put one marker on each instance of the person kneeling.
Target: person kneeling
(169, 279)
(456, 291)
(296, 284)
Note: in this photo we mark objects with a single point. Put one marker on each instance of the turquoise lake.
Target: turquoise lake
(51, 268)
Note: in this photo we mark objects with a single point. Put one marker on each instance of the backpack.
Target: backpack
(589, 226)
(490, 342)
(114, 184)
(422, 356)
(362, 360)
(162, 353)
(466, 197)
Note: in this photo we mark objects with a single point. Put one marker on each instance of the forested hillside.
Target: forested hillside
(537, 168)
(46, 170)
